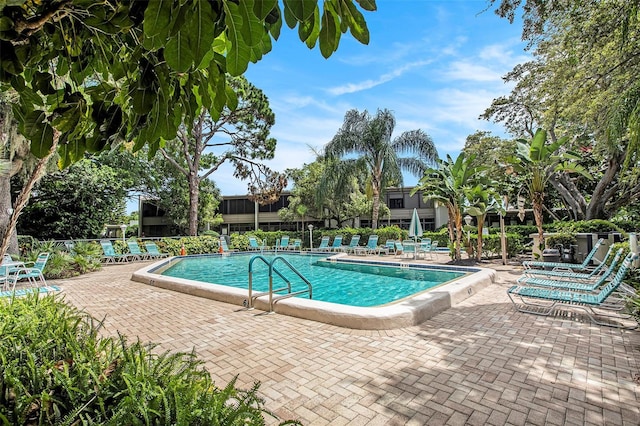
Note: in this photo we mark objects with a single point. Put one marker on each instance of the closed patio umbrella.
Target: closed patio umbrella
(415, 228)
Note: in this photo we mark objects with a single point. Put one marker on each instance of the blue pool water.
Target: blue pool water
(351, 284)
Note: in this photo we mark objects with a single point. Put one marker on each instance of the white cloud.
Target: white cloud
(464, 70)
(368, 84)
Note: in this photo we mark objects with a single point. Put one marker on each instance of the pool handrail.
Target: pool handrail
(272, 269)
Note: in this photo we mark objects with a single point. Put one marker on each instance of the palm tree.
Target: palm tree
(368, 139)
(538, 160)
(447, 184)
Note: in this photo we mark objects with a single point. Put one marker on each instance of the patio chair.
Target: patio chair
(296, 245)
(284, 243)
(434, 248)
(371, 247)
(390, 245)
(153, 252)
(31, 273)
(408, 249)
(136, 253)
(355, 239)
(324, 244)
(254, 246)
(545, 301)
(576, 284)
(423, 248)
(560, 274)
(5, 278)
(566, 266)
(225, 246)
(337, 243)
(110, 255)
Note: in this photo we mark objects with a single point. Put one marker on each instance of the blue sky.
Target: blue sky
(436, 64)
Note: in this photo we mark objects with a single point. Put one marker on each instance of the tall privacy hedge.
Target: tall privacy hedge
(55, 369)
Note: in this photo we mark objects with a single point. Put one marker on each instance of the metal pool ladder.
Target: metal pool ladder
(273, 270)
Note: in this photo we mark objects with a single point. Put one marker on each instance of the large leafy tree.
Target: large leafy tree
(75, 203)
(583, 81)
(88, 74)
(239, 135)
(369, 140)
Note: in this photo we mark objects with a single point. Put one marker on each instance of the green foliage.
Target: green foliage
(491, 245)
(562, 239)
(75, 203)
(522, 230)
(588, 226)
(193, 245)
(133, 70)
(627, 225)
(56, 369)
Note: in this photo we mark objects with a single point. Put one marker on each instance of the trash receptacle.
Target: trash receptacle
(551, 255)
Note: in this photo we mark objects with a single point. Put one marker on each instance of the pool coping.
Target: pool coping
(404, 313)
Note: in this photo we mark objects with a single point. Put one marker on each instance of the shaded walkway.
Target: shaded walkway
(480, 362)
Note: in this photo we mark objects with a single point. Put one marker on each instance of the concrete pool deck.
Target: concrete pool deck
(479, 362)
(407, 312)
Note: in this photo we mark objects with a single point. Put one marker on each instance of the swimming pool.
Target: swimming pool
(350, 284)
(403, 312)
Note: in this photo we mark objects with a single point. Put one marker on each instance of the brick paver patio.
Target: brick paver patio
(478, 363)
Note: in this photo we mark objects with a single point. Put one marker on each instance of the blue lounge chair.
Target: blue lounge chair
(255, 246)
(544, 301)
(296, 245)
(225, 246)
(337, 243)
(110, 255)
(31, 273)
(355, 239)
(324, 244)
(566, 266)
(152, 250)
(568, 275)
(574, 284)
(371, 247)
(136, 253)
(283, 244)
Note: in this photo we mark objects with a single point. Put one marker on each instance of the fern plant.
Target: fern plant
(55, 369)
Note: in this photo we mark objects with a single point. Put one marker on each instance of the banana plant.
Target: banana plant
(538, 160)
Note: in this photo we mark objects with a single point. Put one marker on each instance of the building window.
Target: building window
(396, 203)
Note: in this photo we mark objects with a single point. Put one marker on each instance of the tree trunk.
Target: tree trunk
(376, 207)
(194, 195)
(596, 207)
(458, 219)
(538, 200)
(480, 220)
(23, 197)
(5, 213)
(570, 194)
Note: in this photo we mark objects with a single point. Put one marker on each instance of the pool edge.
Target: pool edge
(406, 313)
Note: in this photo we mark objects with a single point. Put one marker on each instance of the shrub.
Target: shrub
(522, 230)
(492, 247)
(56, 369)
(587, 226)
(563, 239)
